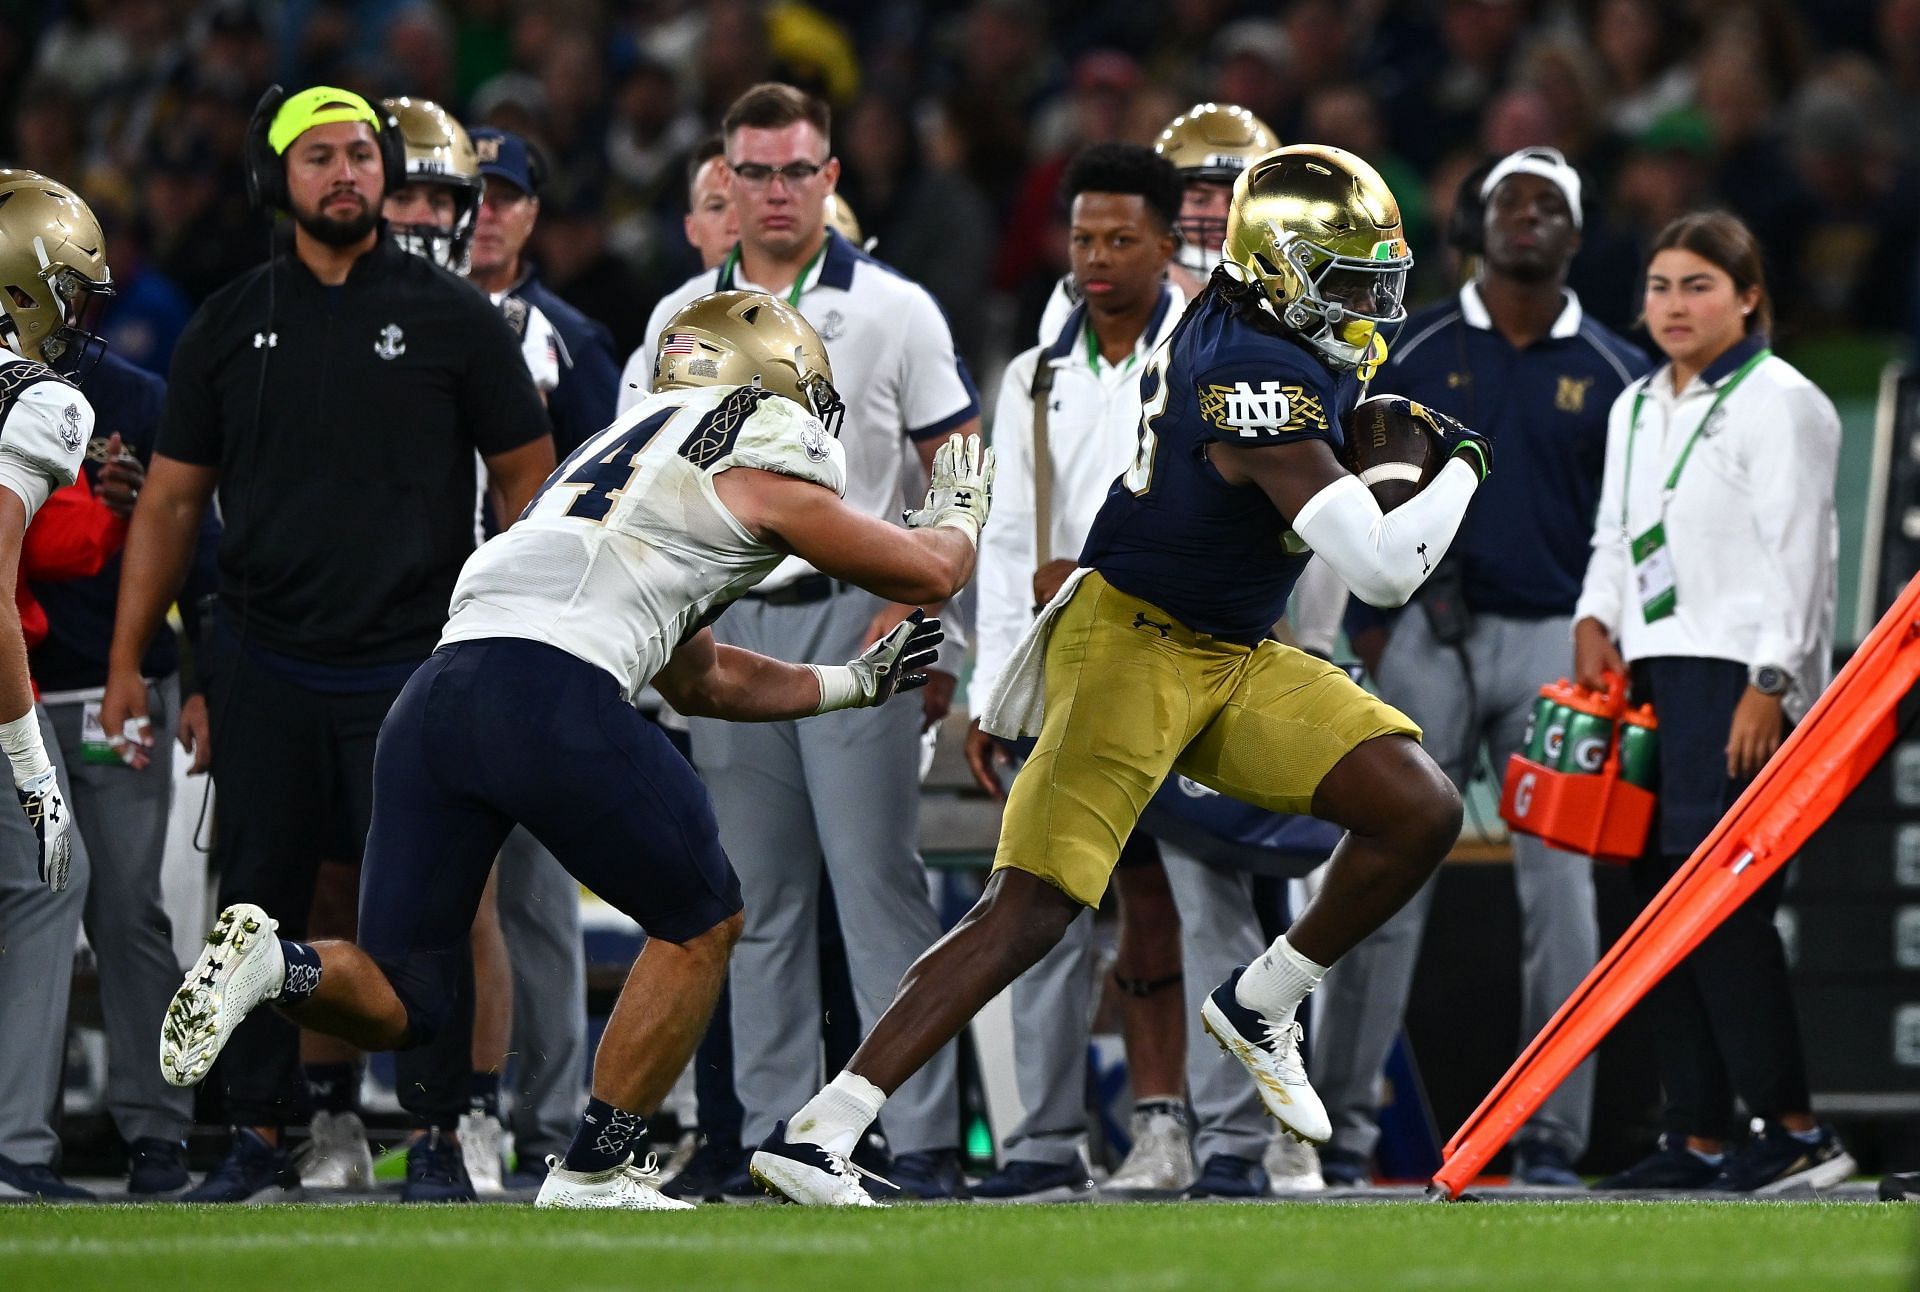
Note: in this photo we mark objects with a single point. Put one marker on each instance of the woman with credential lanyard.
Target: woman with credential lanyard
(1711, 586)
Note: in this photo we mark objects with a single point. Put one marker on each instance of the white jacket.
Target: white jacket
(1750, 523)
(1093, 429)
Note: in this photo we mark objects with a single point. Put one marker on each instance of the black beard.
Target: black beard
(334, 232)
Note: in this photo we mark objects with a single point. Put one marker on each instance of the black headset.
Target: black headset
(267, 170)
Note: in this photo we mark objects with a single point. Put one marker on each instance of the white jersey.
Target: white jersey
(627, 550)
(45, 424)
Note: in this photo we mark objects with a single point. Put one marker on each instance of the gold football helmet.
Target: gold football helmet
(53, 265)
(842, 220)
(438, 152)
(748, 339)
(1210, 143)
(1316, 231)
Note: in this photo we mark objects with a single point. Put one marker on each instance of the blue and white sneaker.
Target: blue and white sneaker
(624, 1188)
(1272, 1055)
(807, 1174)
(240, 966)
(1027, 1180)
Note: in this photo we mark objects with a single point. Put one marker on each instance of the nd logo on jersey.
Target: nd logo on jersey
(1247, 412)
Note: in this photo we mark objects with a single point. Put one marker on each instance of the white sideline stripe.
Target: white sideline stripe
(568, 1239)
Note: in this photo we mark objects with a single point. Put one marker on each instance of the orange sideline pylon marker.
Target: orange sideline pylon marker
(1828, 754)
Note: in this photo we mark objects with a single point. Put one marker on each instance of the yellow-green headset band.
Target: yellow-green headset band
(322, 105)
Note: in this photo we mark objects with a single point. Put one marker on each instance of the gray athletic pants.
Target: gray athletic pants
(1365, 995)
(122, 813)
(840, 791)
(38, 931)
(1052, 1006)
(540, 916)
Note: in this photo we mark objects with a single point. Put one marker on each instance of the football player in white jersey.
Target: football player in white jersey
(524, 716)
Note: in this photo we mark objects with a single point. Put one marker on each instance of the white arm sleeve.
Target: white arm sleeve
(1385, 557)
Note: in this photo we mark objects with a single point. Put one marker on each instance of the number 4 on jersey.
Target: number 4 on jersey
(600, 470)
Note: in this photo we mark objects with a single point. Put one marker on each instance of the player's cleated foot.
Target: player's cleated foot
(240, 966)
(1160, 1164)
(1777, 1161)
(156, 1168)
(623, 1188)
(808, 1174)
(1027, 1180)
(252, 1171)
(336, 1154)
(1272, 1055)
(1292, 1167)
(1227, 1176)
(1900, 1186)
(483, 1148)
(1670, 1166)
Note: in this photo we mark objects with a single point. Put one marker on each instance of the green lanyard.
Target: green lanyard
(1633, 431)
(1093, 352)
(732, 263)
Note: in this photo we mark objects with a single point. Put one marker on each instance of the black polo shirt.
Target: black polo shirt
(343, 422)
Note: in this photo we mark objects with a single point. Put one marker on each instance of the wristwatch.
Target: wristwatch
(1769, 679)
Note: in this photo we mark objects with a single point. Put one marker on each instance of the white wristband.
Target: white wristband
(21, 739)
(838, 689)
(964, 521)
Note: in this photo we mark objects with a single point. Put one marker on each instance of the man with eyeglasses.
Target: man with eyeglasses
(840, 792)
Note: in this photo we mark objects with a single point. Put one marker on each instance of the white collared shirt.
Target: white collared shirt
(1093, 429)
(1750, 523)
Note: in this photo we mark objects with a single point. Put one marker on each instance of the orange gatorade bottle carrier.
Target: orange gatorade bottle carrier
(1585, 780)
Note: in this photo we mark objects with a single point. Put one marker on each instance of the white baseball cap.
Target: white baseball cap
(1549, 164)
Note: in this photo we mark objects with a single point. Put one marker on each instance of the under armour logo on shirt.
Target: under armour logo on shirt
(1140, 620)
(265, 340)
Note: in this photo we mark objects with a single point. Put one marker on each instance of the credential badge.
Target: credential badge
(392, 343)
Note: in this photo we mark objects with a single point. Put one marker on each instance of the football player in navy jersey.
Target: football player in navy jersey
(1155, 657)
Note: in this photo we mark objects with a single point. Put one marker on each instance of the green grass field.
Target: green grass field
(1619, 1247)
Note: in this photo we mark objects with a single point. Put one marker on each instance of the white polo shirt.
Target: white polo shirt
(1750, 523)
(894, 364)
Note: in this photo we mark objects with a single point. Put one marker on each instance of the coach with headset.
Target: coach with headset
(335, 398)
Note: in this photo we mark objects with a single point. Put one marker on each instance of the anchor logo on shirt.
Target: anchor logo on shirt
(392, 343)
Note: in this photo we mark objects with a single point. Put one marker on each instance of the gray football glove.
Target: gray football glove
(897, 662)
(51, 821)
(960, 491)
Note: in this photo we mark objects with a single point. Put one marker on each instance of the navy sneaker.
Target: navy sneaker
(252, 1171)
(1545, 1164)
(156, 1167)
(933, 1176)
(435, 1170)
(1670, 1166)
(1225, 1176)
(1342, 1168)
(1901, 1186)
(37, 1180)
(1775, 1161)
(709, 1170)
(1027, 1180)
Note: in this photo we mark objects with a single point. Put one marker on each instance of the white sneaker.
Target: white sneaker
(807, 1174)
(624, 1188)
(1272, 1055)
(1161, 1161)
(336, 1155)
(1292, 1167)
(240, 967)
(483, 1147)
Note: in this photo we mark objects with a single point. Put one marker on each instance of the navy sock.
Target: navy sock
(333, 1087)
(604, 1138)
(483, 1093)
(303, 972)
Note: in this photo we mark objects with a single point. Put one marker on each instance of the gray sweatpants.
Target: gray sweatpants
(540, 916)
(1052, 1004)
(38, 931)
(1365, 995)
(122, 813)
(840, 791)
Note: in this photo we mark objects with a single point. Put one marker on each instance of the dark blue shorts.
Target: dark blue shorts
(490, 734)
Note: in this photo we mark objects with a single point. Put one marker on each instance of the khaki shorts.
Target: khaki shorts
(1132, 696)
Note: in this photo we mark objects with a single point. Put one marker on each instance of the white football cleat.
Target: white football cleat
(808, 1174)
(1272, 1055)
(483, 1147)
(1161, 1162)
(624, 1188)
(337, 1155)
(241, 966)
(1293, 1166)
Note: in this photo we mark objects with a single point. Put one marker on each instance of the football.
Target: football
(1393, 446)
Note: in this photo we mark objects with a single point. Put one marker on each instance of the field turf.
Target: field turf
(1618, 1247)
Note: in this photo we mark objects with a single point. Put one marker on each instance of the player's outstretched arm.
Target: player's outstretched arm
(1383, 557)
(705, 679)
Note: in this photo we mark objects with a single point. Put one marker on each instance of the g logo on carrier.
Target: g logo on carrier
(1523, 795)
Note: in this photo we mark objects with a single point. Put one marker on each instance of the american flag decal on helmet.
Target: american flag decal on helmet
(678, 343)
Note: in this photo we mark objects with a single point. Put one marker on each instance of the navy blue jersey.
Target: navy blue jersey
(1215, 556)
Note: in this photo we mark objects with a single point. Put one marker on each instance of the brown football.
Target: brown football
(1393, 448)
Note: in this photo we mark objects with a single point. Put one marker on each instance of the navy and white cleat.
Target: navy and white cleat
(807, 1174)
(240, 966)
(1272, 1055)
(624, 1188)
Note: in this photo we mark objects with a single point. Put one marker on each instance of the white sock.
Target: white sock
(839, 1115)
(1274, 985)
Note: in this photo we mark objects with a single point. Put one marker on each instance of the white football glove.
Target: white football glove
(51, 821)
(896, 663)
(961, 488)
